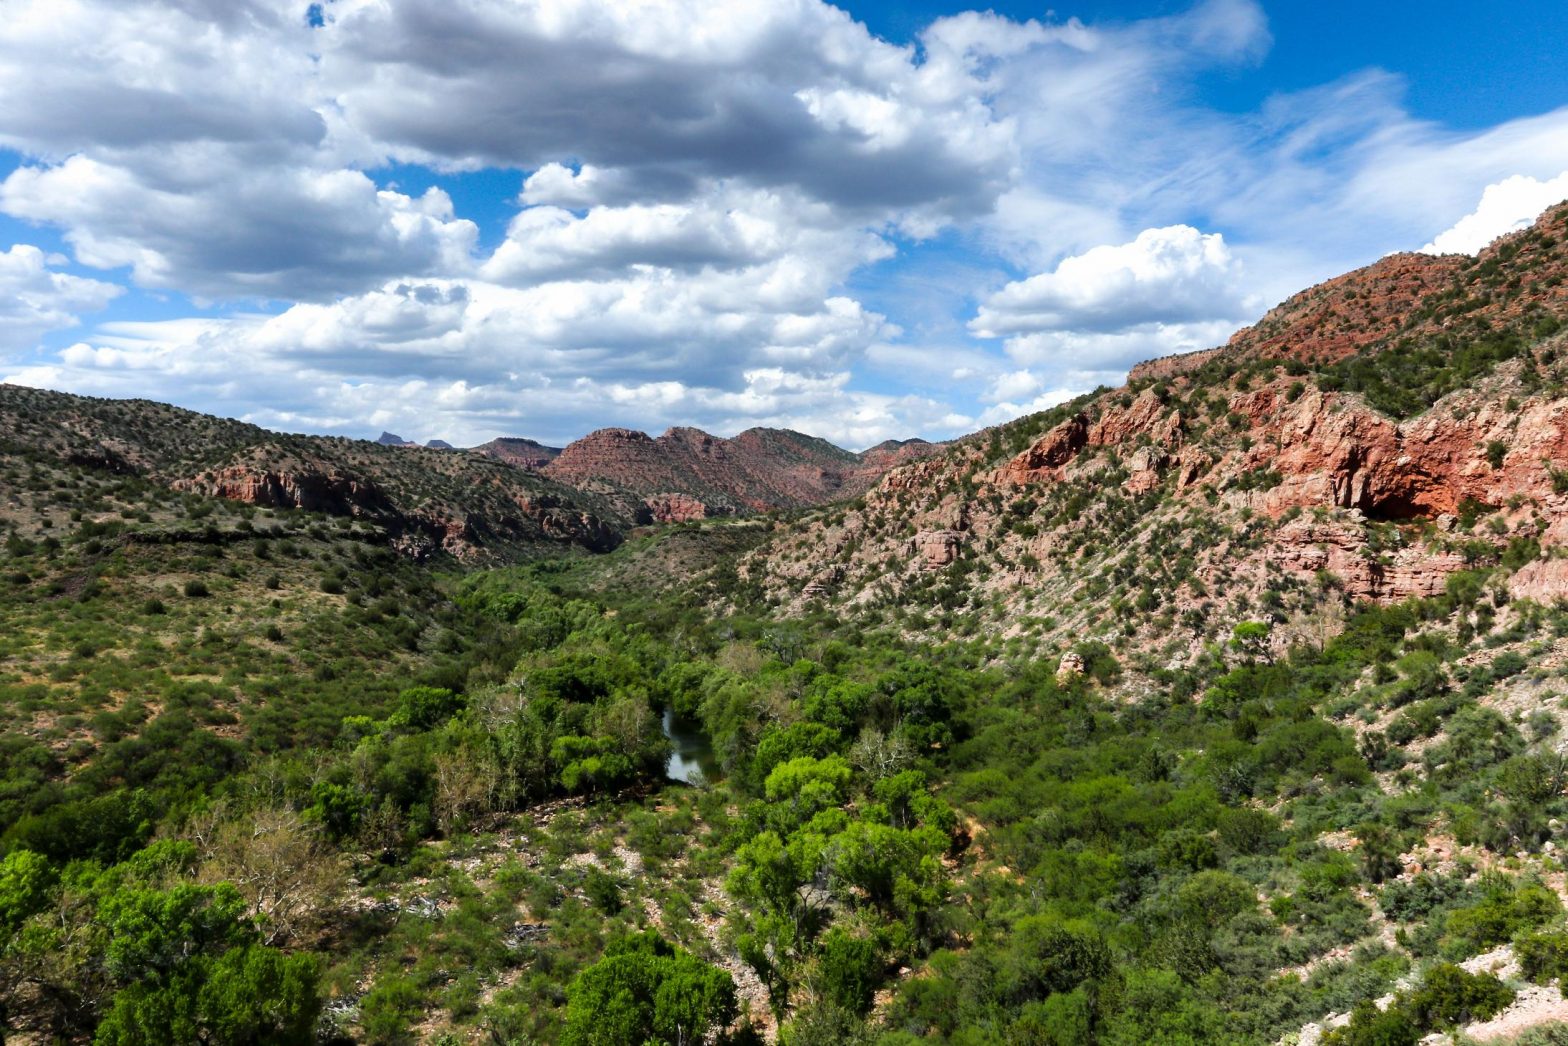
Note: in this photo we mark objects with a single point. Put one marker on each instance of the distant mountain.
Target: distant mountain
(502, 499)
(689, 474)
(524, 453)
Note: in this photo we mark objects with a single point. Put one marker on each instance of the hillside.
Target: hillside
(1370, 436)
(687, 474)
(425, 500)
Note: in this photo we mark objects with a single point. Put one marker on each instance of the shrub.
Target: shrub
(850, 970)
(1449, 996)
(1543, 956)
(387, 1011)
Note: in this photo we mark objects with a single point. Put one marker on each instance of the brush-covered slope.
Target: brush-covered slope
(1373, 435)
(688, 474)
(426, 500)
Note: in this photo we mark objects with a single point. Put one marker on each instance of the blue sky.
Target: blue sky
(462, 221)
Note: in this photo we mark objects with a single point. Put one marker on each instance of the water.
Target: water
(693, 761)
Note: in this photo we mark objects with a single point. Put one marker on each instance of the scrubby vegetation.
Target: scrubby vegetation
(421, 807)
(1104, 771)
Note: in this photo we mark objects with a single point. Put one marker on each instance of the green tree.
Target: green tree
(646, 991)
(850, 968)
(26, 880)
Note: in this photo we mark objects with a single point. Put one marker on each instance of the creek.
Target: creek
(692, 761)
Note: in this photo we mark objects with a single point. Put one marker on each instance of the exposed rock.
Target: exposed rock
(1048, 454)
(1072, 664)
(524, 453)
(1146, 414)
(674, 508)
(1144, 469)
(936, 548)
(1544, 580)
(335, 493)
(1338, 546)
(1191, 465)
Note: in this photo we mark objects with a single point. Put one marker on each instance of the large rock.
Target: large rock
(937, 548)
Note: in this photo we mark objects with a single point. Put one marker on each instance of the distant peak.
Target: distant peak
(688, 434)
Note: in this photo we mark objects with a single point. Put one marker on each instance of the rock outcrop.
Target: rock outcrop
(936, 548)
(329, 491)
(672, 508)
(467, 528)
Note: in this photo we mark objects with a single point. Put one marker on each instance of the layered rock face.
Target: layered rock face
(1331, 449)
(1485, 451)
(331, 492)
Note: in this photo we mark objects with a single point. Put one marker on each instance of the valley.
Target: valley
(1226, 706)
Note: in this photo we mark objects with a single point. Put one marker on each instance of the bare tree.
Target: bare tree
(879, 755)
(279, 862)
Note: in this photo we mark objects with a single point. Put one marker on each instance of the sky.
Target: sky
(461, 219)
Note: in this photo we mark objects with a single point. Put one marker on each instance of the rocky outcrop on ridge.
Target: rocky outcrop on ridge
(524, 453)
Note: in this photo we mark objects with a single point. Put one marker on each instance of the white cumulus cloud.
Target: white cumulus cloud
(1506, 206)
(1169, 275)
(729, 213)
(35, 298)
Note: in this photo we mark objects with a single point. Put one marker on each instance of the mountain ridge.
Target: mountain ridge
(1357, 437)
(496, 501)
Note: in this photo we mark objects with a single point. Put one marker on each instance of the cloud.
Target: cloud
(1164, 276)
(1506, 206)
(722, 228)
(237, 366)
(729, 214)
(193, 221)
(35, 299)
(133, 77)
(789, 95)
(468, 360)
